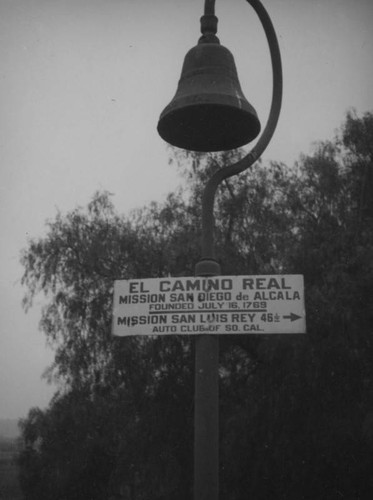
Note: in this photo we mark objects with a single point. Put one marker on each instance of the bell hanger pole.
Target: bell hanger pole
(206, 410)
(210, 113)
(263, 141)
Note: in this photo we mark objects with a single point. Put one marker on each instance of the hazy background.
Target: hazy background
(82, 83)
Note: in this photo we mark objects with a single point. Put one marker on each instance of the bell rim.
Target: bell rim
(172, 124)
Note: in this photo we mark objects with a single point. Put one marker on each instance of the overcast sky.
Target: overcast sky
(82, 83)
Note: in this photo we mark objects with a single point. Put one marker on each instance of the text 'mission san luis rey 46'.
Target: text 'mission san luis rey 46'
(216, 305)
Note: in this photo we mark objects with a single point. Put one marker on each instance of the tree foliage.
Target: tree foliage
(296, 412)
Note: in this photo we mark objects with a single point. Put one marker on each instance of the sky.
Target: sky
(82, 84)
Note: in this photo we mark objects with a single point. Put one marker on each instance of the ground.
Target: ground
(9, 485)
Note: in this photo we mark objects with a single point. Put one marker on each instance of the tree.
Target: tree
(296, 411)
(308, 412)
(75, 266)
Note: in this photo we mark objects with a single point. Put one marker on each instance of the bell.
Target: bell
(209, 111)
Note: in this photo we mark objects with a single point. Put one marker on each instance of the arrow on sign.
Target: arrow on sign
(292, 317)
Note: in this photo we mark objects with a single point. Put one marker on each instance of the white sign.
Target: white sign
(215, 305)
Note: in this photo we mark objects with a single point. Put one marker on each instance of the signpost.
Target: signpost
(215, 305)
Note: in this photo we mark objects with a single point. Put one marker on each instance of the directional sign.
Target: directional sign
(215, 305)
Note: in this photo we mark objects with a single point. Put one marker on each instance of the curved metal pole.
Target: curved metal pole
(254, 154)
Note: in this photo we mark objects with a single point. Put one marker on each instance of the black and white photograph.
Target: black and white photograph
(186, 256)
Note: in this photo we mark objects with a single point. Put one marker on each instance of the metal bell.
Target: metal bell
(209, 111)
